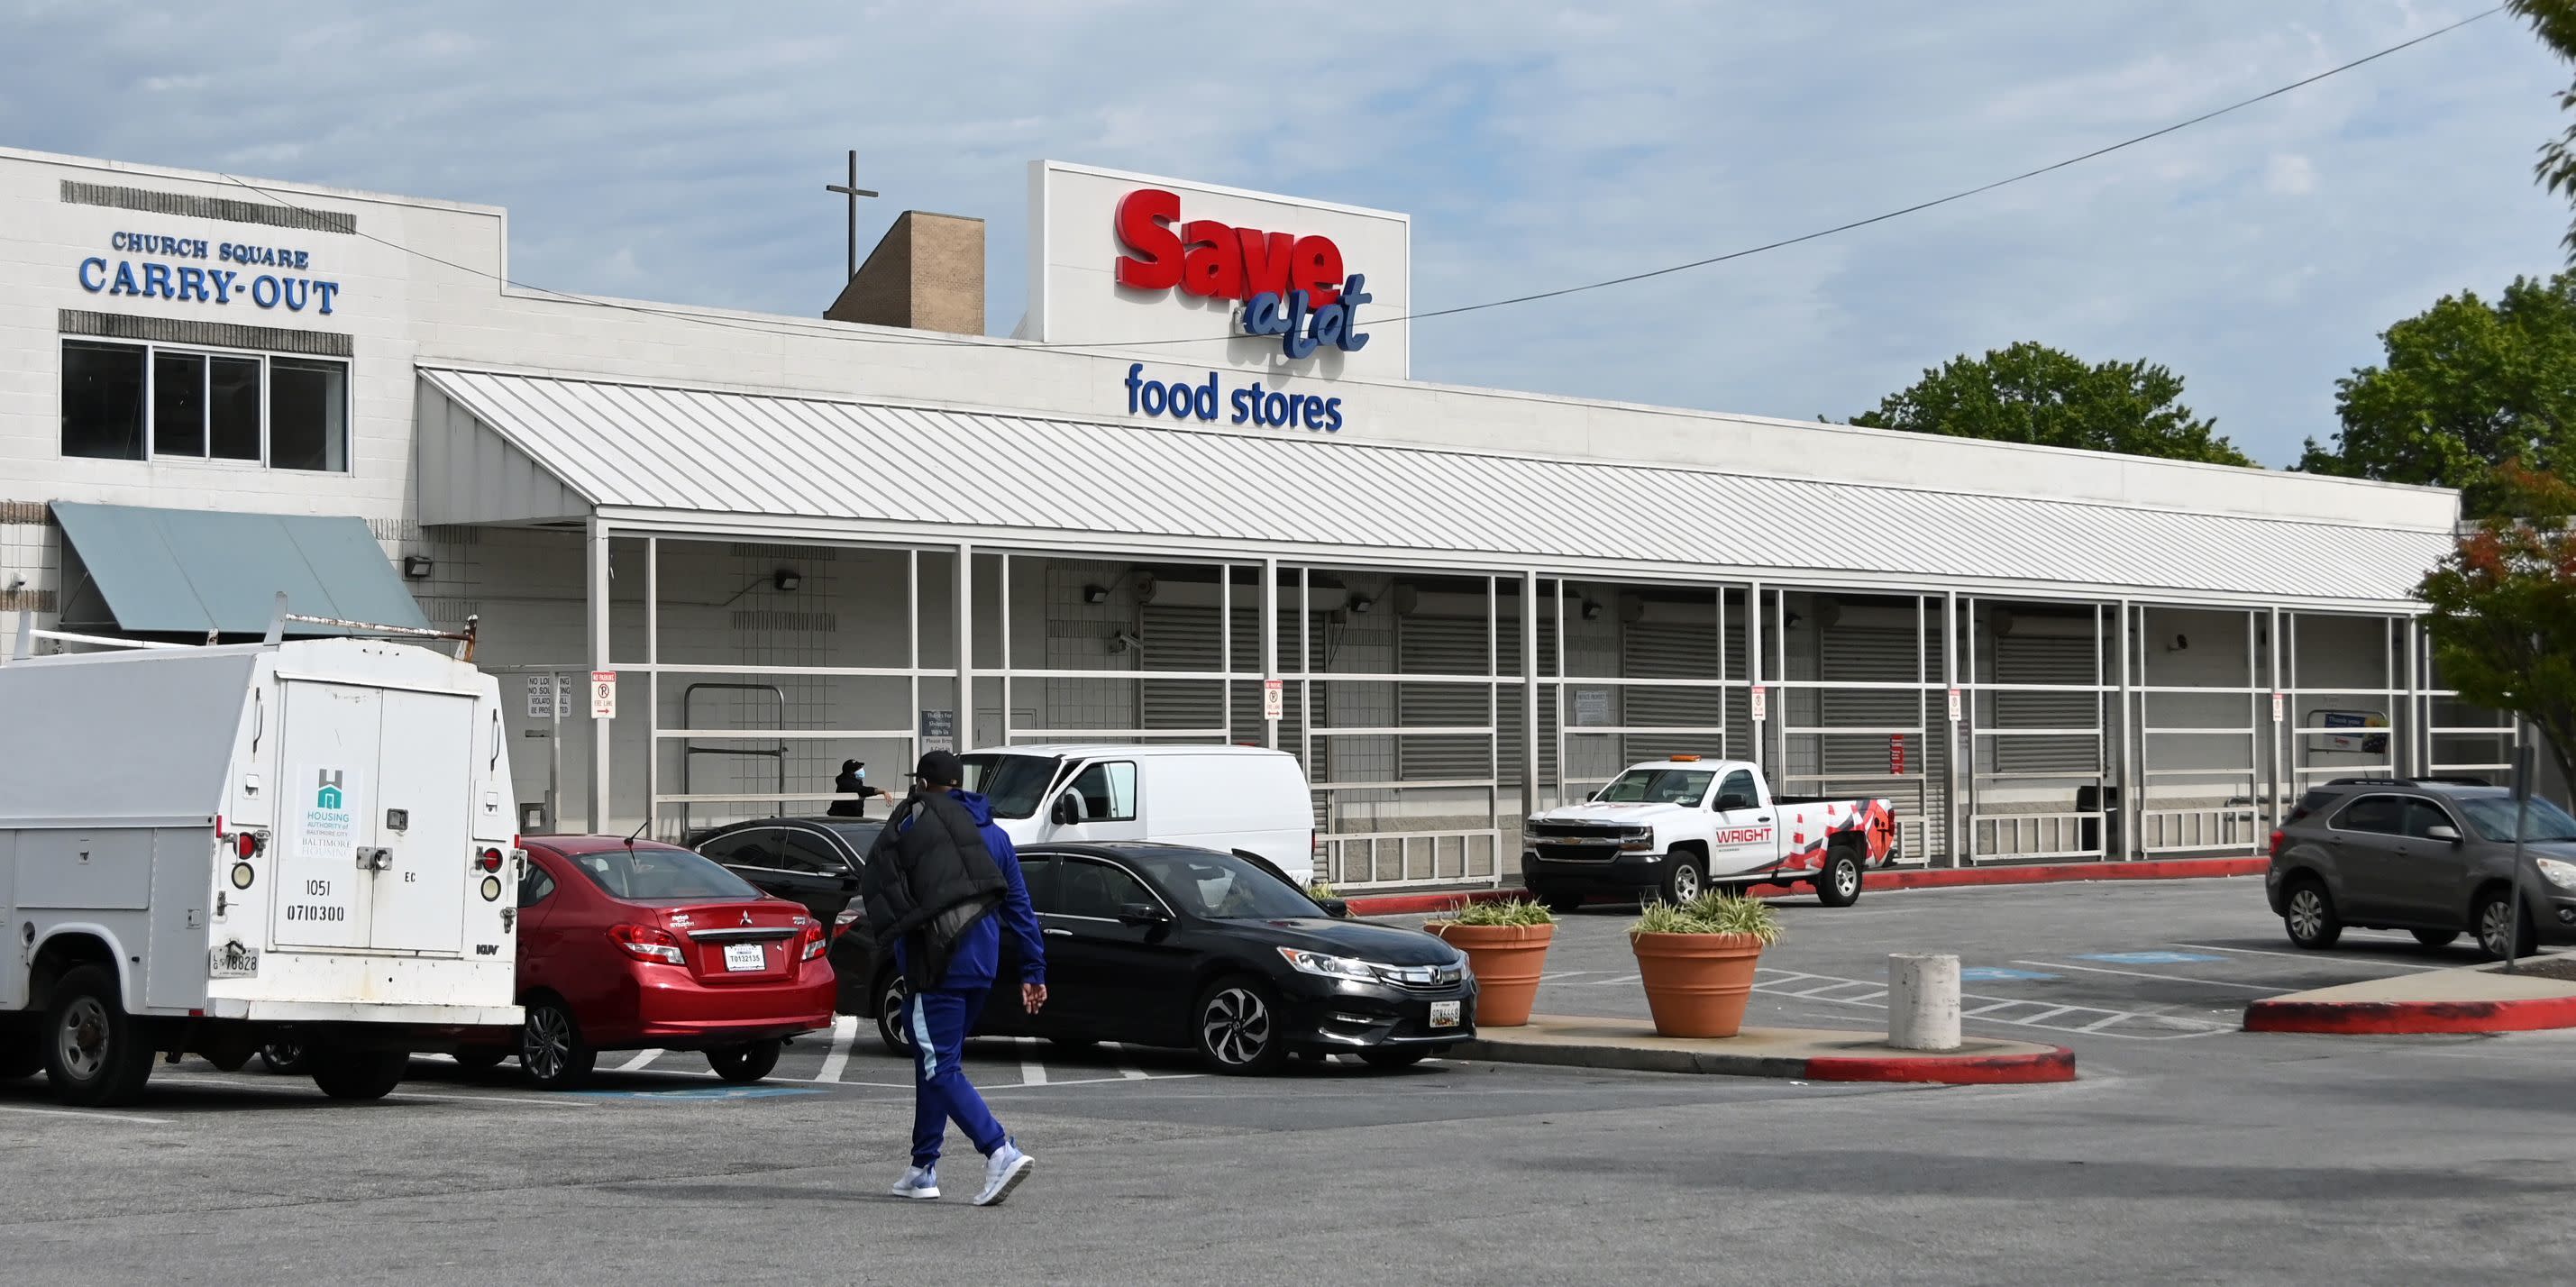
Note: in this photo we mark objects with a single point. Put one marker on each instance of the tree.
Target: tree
(2036, 394)
(2466, 386)
(2503, 609)
(2554, 21)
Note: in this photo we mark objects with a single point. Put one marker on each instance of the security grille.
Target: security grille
(2044, 660)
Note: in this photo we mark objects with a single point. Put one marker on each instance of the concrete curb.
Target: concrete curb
(2400, 1018)
(1809, 1055)
(1900, 878)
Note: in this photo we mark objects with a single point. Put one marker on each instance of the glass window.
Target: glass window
(2424, 815)
(1660, 786)
(659, 871)
(1039, 875)
(1740, 785)
(2381, 814)
(754, 847)
(308, 414)
(1095, 889)
(102, 400)
(178, 404)
(1012, 783)
(1107, 792)
(534, 885)
(859, 836)
(2492, 816)
(232, 408)
(1222, 886)
(812, 854)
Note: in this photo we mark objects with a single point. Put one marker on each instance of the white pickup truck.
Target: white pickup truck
(1670, 828)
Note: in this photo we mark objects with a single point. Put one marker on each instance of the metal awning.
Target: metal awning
(504, 447)
(183, 571)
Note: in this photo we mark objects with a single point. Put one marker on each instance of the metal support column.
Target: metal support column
(2418, 758)
(2129, 764)
(652, 683)
(1753, 675)
(1529, 692)
(597, 606)
(962, 730)
(1269, 649)
(1950, 831)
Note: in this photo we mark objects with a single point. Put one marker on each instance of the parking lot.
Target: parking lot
(2186, 1142)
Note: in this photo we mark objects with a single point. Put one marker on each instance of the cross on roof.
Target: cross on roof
(853, 191)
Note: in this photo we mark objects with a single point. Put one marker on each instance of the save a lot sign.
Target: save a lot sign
(1293, 287)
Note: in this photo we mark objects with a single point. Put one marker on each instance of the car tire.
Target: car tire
(2437, 938)
(1393, 1056)
(551, 1050)
(2489, 922)
(1684, 878)
(894, 997)
(1838, 885)
(284, 1058)
(744, 1064)
(1236, 1027)
(481, 1058)
(359, 1074)
(95, 1053)
(2308, 913)
(1559, 899)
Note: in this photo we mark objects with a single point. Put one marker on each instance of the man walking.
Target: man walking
(941, 886)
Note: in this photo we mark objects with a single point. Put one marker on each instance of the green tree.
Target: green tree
(2503, 608)
(2466, 386)
(2036, 394)
(2554, 21)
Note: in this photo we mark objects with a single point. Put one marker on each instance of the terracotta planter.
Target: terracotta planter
(1506, 960)
(1697, 984)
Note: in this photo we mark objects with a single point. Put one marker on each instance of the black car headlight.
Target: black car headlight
(1331, 967)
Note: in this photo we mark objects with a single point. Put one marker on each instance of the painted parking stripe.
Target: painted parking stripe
(643, 1059)
(1998, 974)
(700, 1092)
(1989, 1009)
(2314, 957)
(1032, 1072)
(845, 1027)
(2146, 958)
(2166, 978)
(134, 1118)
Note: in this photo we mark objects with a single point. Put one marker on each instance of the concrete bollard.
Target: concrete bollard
(1923, 1001)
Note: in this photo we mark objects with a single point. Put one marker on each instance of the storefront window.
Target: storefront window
(102, 401)
(291, 413)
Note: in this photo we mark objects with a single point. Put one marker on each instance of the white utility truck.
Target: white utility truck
(207, 849)
(1670, 828)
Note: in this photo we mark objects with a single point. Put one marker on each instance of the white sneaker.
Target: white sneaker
(917, 1182)
(1003, 1172)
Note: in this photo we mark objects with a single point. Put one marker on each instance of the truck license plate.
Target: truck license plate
(1444, 1014)
(745, 956)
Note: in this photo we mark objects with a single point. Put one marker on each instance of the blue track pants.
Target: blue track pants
(940, 1092)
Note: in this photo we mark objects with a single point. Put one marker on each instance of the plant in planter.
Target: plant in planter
(1506, 947)
(1697, 959)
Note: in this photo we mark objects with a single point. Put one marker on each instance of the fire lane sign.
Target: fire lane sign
(603, 694)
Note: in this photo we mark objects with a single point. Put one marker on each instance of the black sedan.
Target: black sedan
(814, 861)
(1165, 945)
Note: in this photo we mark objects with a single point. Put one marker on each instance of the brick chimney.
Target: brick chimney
(926, 274)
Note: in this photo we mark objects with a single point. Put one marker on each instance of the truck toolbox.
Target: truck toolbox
(206, 848)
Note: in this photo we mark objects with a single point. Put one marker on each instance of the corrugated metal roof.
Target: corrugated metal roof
(640, 446)
(188, 571)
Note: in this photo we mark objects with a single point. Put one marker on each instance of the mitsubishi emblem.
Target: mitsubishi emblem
(746, 918)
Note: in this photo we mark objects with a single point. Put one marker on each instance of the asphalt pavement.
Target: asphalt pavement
(2189, 1152)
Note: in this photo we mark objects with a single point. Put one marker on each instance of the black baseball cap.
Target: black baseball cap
(940, 768)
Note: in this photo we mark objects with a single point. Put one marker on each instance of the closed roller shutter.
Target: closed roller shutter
(1181, 638)
(1868, 657)
(2046, 661)
(1661, 650)
(1442, 646)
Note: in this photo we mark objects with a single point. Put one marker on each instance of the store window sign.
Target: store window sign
(1292, 287)
(150, 266)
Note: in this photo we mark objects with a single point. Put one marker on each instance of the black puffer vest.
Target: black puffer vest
(926, 882)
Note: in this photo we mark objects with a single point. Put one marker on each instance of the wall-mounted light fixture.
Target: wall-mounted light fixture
(417, 567)
(1591, 610)
(1095, 594)
(1360, 604)
(1124, 640)
(786, 581)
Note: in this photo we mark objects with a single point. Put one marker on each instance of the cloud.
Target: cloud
(1537, 144)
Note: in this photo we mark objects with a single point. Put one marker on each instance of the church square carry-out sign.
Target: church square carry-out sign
(1221, 287)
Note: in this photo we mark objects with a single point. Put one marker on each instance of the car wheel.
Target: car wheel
(1394, 1056)
(2497, 934)
(1682, 879)
(2309, 914)
(95, 1053)
(1236, 1026)
(285, 1058)
(481, 1058)
(551, 1050)
(359, 1074)
(894, 999)
(2437, 938)
(1838, 885)
(747, 1063)
(1559, 898)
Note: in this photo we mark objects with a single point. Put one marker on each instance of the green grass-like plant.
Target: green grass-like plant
(1714, 912)
(1514, 911)
(1321, 891)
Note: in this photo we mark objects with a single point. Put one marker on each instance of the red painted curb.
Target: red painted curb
(1900, 878)
(2057, 1063)
(2397, 1018)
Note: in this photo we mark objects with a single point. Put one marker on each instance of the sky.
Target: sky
(678, 154)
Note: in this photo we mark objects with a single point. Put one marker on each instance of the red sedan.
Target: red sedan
(630, 945)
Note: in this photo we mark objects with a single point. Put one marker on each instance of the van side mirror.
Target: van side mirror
(2443, 833)
(1066, 812)
(1142, 914)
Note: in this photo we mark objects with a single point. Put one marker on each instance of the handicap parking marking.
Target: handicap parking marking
(2148, 958)
(1998, 974)
(701, 1092)
(2047, 1016)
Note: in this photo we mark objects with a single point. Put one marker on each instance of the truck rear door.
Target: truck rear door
(377, 819)
(424, 769)
(329, 735)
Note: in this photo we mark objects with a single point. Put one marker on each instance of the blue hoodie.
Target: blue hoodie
(978, 954)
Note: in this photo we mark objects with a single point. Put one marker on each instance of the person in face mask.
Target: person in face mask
(853, 782)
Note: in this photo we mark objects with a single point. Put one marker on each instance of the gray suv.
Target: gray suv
(2432, 856)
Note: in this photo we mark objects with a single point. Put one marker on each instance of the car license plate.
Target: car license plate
(1444, 1014)
(745, 956)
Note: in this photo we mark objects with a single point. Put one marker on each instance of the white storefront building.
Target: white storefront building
(1148, 523)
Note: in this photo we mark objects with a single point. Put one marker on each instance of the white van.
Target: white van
(1234, 799)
